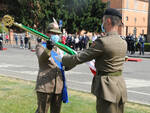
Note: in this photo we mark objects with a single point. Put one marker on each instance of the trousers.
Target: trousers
(103, 106)
(46, 101)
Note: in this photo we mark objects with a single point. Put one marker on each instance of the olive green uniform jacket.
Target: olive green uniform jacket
(49, 79)
(109, 54)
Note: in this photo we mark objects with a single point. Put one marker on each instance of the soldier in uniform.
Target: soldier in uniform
(49, 82)
(109, 53)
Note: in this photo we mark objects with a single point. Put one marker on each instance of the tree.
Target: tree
(84, 14)
(76, 14)
(11, 7)
(3, 28)
(93, 17)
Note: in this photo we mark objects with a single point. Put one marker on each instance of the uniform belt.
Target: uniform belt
(117, 73)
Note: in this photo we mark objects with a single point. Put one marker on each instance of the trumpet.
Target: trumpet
(9, 21)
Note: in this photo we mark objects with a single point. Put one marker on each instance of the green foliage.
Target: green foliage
(93, 17)
(76, 14)
(147, 47)
(84, 14)
(3, 28)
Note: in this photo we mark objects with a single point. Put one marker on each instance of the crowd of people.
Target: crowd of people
(135, 44)
(75, 41)
(78, 42)
(21, 40)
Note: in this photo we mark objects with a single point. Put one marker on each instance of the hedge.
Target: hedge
(146, 47)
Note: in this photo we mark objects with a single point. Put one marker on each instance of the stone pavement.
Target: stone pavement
(23, 64)
(136, 55)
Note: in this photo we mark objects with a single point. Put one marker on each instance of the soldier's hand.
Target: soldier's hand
(59, 58)
(103, 34)
(49, 45)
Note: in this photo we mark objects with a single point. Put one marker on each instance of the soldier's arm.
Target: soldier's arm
(94, 51)
(42, 53)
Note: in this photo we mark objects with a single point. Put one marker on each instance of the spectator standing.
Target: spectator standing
(72, 41)
(128, 39)
(7, 39)
(29, 42)
(94, 37)
(63, 39)
(1, 43)
(26, 39)
(68, 41)
(85, 40)
(76, 42)
(133, 44)
(16, 39)
(21, 41)
(141, 42)
(80, 42)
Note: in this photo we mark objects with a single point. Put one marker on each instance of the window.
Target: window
(135, 6)
(108, 4)
(134, 31)
(126, 30)
(126, 18)
(127, 4)
(143, 19)
(144, 6)
(142, 31)
(135, 19)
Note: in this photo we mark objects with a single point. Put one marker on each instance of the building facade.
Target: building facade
(134, 13)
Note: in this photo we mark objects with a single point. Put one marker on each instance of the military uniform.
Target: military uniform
(49, 82)
(108, 85)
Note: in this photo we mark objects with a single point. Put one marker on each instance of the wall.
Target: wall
(134, 14)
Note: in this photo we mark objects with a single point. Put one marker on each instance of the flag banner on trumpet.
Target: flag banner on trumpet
(63, 47)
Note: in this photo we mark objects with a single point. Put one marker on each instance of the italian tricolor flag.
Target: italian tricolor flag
(70, 51)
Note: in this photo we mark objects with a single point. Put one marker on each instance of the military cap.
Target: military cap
(113, 12)
(54, 28)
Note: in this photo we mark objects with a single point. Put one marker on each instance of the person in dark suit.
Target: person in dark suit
(85, 40)
(26, 40)
(109, 53)
(141, 43)
(1, 43)
(49, 82)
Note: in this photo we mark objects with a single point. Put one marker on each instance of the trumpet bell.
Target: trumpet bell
(8, 20)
